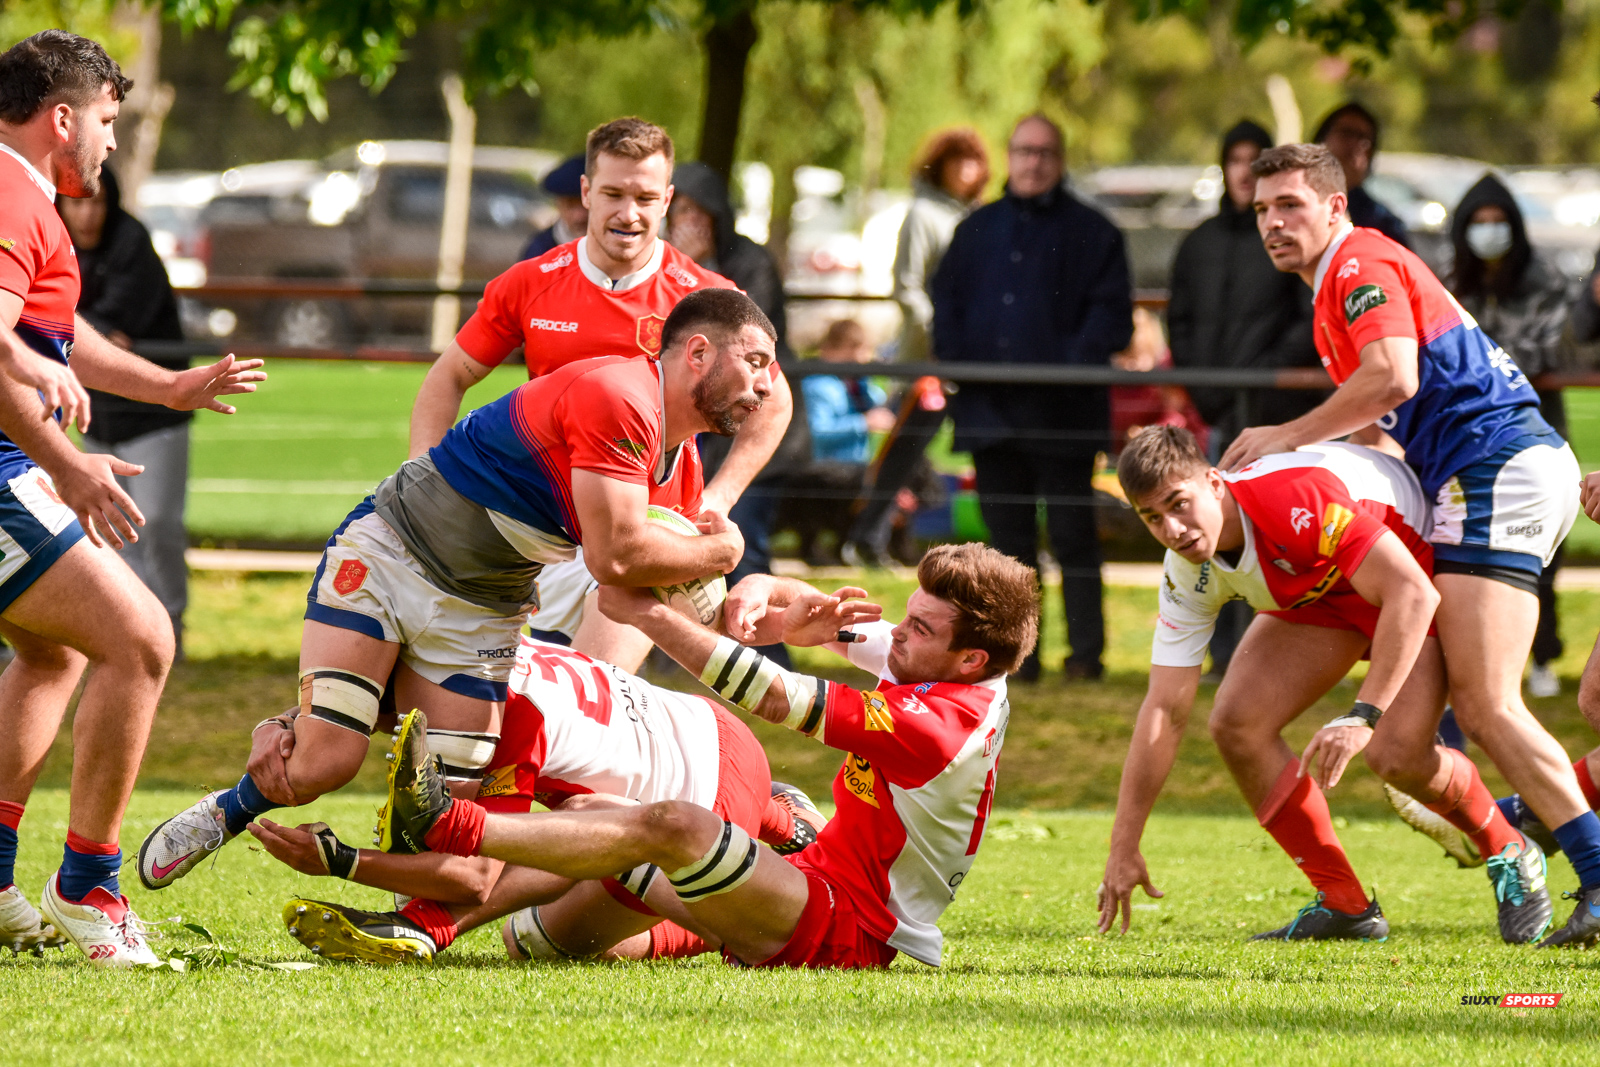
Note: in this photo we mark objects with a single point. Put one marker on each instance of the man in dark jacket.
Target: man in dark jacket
(126, 296)
(564, 184)
(1230, 307)
(1038, 276)
(1351, 133)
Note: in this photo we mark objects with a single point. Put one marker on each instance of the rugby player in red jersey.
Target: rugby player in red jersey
(66, 602)
(422, 592)
(1326, 543)
(606, 294)
(1411, 363)
(912, 796)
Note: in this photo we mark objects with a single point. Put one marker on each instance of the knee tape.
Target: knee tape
(465, 755)
(728, 864)
(638, 880)
(535, 940)
(341, 697)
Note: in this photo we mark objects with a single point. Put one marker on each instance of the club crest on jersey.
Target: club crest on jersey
(1334, 520)
(1361, 300)
(500, 782)
(352, 574)
(632, 449)
(1349, 269)
(876, 712)
(681, 276)
(860, 779)
(563, 260)
(649, 333)
(1300, 518)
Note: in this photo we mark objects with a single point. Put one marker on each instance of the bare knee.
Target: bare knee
(144, 648)
(1403, 766)
(677, 833)
(1230, 730)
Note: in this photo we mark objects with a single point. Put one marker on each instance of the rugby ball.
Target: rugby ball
(700, 598)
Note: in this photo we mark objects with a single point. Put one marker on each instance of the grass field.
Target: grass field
(1026, 980)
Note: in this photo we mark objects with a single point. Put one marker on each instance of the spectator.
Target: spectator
(1230, 307)
(1522, 301)
(1038, 277)
(1133, 407)
(1351, 133)
(127, 297)
(951, 172)
(845, 412)
(565, 186)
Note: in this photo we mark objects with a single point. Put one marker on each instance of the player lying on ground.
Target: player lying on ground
(1325, 544)
(65, 600)
(424, 589)
(1504, 484)
(606, 293)
(912, 796)
(574, 729)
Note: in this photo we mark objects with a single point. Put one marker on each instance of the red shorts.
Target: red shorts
(1343, 610)
(828, 934)
(744, 789)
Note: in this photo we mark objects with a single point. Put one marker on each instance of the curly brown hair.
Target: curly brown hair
(959, 142)
(996, 600)
(631, 138)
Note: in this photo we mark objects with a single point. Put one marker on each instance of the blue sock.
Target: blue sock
(8, 856)
(1450, 731)
(243, 803)
(81, 872)
(1580, 840)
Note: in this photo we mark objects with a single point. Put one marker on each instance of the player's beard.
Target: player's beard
(722, 412)
(85, 168)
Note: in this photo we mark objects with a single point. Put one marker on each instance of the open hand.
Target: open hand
(1115, 893)
(1337, 745)
(199, 387)
(1255, 442)
(295, 846)
(816, 618)
(89, 487)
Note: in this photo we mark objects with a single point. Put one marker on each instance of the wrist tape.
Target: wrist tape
(1360, 714)
(743, 676)
(338, 858)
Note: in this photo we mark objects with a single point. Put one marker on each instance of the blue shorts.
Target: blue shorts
(1510, 511)
(36, 528)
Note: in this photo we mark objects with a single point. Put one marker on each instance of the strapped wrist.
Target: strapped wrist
(1360, 714)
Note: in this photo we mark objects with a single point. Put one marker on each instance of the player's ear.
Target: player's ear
(974, 664)
(1339, 205)
(1215, 481)
(583, 189)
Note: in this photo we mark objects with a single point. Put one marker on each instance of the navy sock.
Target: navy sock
(8, 856)
(81, 872)
(1580, 840)
(1450, 731)
(243, 803)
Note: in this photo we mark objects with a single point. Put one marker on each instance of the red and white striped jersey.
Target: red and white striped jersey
(578, 725)
(912, 796)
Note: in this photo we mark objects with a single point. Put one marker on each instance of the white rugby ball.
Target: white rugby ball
(700, 598)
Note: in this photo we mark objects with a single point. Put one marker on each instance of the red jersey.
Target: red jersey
(912, 797)
(562, 308)
(516, 456)
(1310, 517)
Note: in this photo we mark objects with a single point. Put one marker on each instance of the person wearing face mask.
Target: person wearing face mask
(1230, 307)
(1521, 300)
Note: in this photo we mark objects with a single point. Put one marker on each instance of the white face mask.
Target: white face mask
(1489, 240)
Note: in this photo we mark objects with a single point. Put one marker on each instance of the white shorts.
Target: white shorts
(370, 583)
(563, 588)
(1510, 511)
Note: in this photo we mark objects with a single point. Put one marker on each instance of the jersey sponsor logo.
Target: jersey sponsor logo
(500, 782)
(1300, 518)
(1361, 300)
(1527, 529)
(875, 710)
(351, 575)
(1205, 577)
(630, 448)
(7, 243)
(1334, 519)
(498, 653)
(681, 276)
(1504, 364)
(1316, 591)
(1349, 269)
(553, 325)
(563, 260)
(860, 779)
(648, 333)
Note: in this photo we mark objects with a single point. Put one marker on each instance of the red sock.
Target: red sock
(777, 824)
(434, 918)
(459, 830)
(78, 843)
(1469, 806)
(10, 814)
(1591, 792)
(1295, 813)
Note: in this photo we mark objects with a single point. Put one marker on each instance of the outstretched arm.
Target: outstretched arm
(1156, 736)
(102, 365)
(430, 876)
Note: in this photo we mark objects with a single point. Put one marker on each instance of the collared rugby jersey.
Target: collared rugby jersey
(1471, 399)
(1310, 517)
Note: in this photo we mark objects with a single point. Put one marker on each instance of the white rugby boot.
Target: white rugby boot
(102, 925)
(174, 848)
(21, 927)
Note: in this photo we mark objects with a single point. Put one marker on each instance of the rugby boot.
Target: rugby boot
(1583, 926)
(178, 845)
(808, 821)
(1517, 875)
(21, 926)
(1522, 818)
(1317, 923)
(102, 925)
(1457, 845)
(416, 795)
(352, 936)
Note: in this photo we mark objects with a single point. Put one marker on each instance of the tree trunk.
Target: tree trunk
(138, 128)
(727, 44)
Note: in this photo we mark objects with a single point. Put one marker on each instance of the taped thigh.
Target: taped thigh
(465, 754)
(343, 698)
